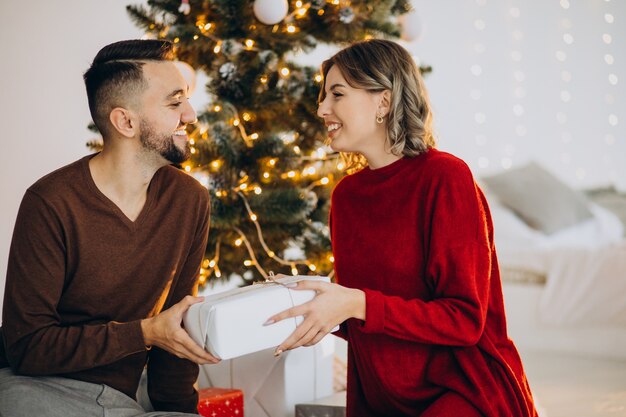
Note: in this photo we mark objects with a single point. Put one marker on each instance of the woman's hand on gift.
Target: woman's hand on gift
(165, 331)
(332, 305)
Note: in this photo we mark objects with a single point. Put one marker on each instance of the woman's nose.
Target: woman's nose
(322, 109)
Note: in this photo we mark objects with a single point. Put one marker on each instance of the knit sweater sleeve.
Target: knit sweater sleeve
(36, 341)
(457, 269)
(171, 379)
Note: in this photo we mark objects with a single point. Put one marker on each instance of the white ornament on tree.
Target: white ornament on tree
(270, 12)
(184, 7)
(411, 26)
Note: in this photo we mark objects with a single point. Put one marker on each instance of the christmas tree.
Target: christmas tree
(258, 145)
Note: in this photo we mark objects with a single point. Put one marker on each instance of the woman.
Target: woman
(419, 296)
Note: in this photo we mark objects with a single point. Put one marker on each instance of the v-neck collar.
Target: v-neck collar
(151, 192)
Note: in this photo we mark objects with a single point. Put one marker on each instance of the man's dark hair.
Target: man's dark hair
(116, 75)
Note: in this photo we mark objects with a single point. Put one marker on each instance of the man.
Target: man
(105, 254)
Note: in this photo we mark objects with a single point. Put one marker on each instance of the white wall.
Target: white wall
(48, 45)
(520, 50)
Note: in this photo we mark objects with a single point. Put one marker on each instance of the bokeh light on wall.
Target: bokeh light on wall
(476, 69)
(612, 125)
(518, 78)
(565, 46)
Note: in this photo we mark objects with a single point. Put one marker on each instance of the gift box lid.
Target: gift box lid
(216, 393)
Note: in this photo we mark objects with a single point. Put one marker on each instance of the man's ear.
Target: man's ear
(384, 105)
(124, 122)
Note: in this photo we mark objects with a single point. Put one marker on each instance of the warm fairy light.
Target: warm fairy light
(284, 71)
(246, 116)
(257, 190)
(320, 12)
(249, 43)
(298, 4)
(254, 136)
(218, 273)
(195, 37)
(331, 258)
(219, 193)
(318, 78)
(253, 217)
(309, 171)
(296, 149)
(263, 79)
(335, 2)
(176, 40)
(288, 137)
(291, 174)
(294, 270)
(238, 242)
(217, 108)
(247, 262)
(211, 263)
(340, 166)
(192, 150)
(236, 122)
(312, 267)
(188, 168)
(217, 48)
(325, 180)
(208, 26)
(192, 141)
(266, 175)
(271, 162)
(216, 164)
(205, 263)
(291, 29)
(271, 254)
(301, 12)
(243, 186)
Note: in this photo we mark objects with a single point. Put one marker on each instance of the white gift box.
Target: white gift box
(231, 324)
(272, 386)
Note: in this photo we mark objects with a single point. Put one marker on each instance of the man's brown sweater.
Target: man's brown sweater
(81, 276)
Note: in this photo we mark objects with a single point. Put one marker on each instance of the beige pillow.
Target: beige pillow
(539, 198)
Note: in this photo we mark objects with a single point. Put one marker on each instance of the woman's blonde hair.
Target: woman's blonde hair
(377, 65)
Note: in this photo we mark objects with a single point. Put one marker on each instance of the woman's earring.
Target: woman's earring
(379, 119)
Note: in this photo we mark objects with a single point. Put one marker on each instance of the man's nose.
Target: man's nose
(189, 114)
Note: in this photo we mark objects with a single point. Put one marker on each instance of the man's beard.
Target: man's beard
(163, 144)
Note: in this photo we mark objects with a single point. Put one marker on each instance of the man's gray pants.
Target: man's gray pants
(24, 396)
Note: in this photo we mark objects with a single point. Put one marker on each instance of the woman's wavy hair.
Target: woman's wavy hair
(376, 65)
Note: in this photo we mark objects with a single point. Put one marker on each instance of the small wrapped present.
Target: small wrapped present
(230, 324)
(220, 402)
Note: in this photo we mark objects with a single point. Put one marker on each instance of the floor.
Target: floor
(571, 386)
